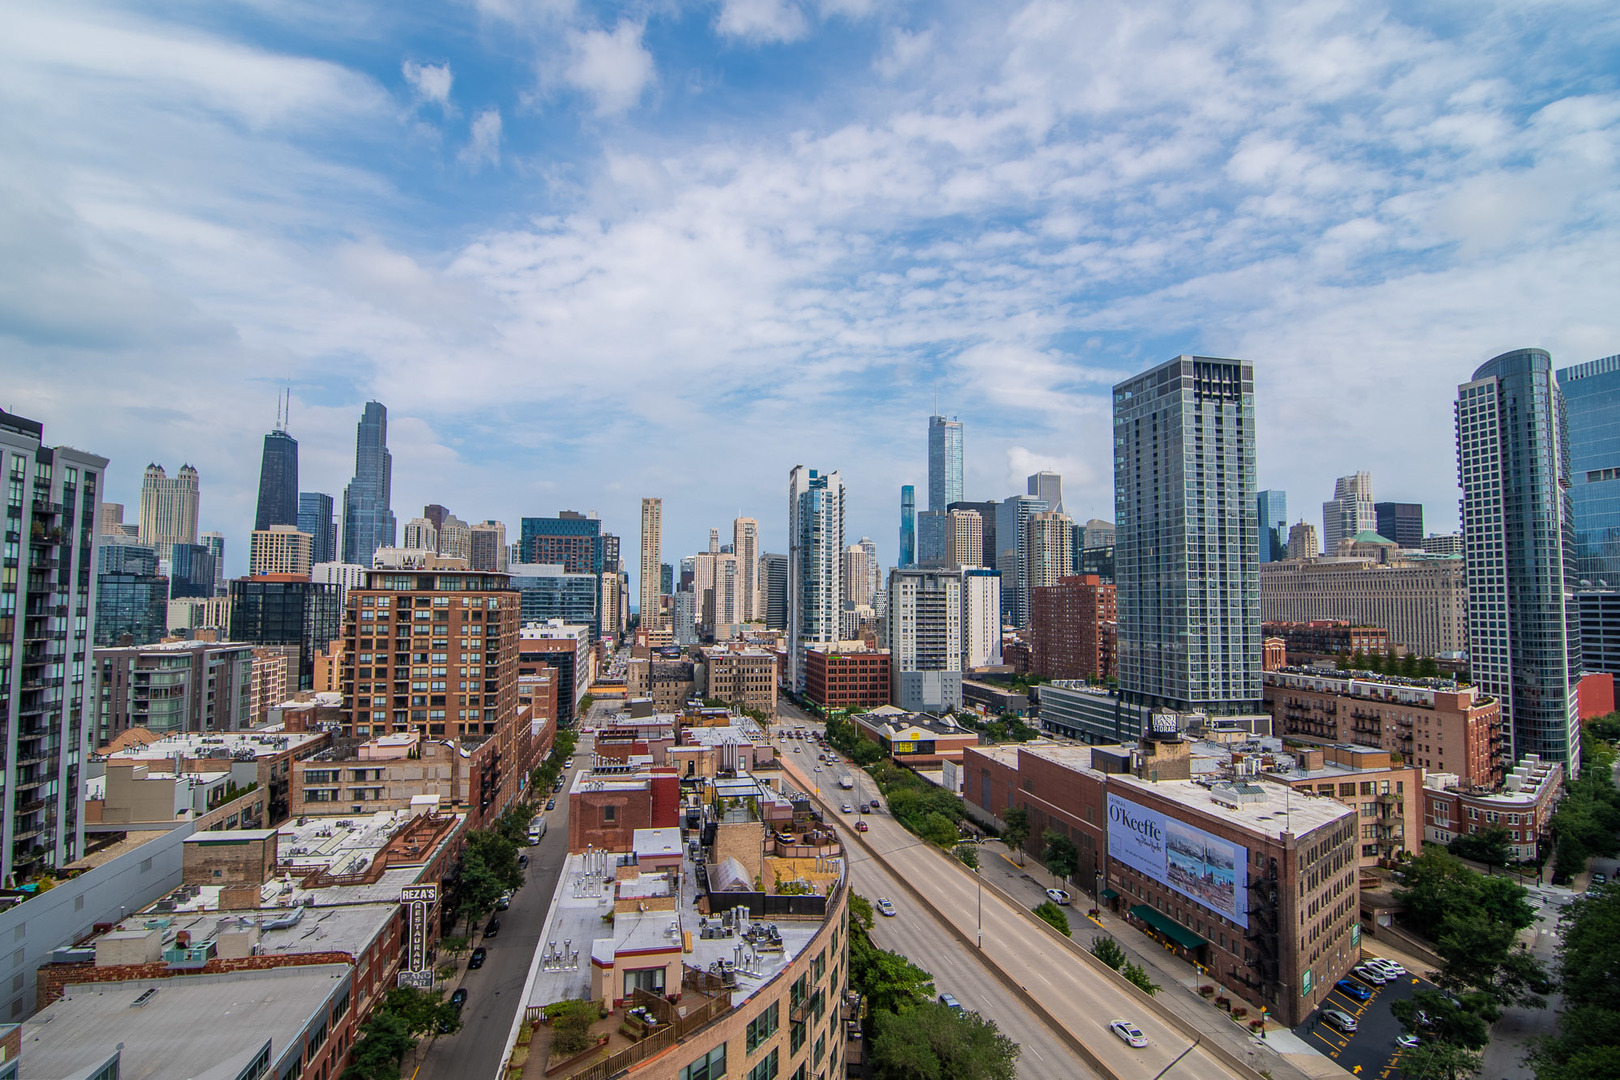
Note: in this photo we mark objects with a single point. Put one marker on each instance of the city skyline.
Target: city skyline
(492, 213)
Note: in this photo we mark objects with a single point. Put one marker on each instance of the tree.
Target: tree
(1488, 846)
(1441, 1061)
(933, 1042)
(455, 945)
(1464, 1021)
(424, 1011)
(1140, 978)
(1108, 951)
(1481, 954)
(1587, 1044)
(889, 981)
(1054, 916)
(939, 830)
(860, 912)
(968, 855)
(571, 1022)
(489, 867)
(1409, 665)
(1428, 668)
(384, 1041)
(866, 752)
(1062, 858)
(1015, 829)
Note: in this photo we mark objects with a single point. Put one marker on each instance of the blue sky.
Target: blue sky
(587, 253)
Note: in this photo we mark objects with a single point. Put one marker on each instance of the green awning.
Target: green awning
(1110, 894)
(1168, 927)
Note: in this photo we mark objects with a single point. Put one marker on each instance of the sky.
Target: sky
(590, 252)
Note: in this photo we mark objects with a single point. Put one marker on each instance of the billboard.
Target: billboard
(1188, 860)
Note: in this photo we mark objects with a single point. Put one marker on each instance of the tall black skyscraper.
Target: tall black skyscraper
(278, 481)
(315, 518)
(368, 517)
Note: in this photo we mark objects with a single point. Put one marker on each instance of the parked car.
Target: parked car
(504, 902)
(457, 1000)
(493, 928)
(569, 764)
(1370, 974)
(1057, 896)
(886, 907)
(1387, 966)
(1129, 1032)
(1351, 988)
(476, 960)
(523, 860)
(551, 804)
(950, 1002)
(1341, 1020)
(1406, 1042)
(1599, 878)
(860, 826)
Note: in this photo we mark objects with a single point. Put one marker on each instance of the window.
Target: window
(766, 1069)
(796, 1036)
(610, 813)
(708, 1067)
(761, 1028)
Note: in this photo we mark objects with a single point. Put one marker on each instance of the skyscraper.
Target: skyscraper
(1012, 514)
(315, 518)
(857, 582)
(925, 639)
(1187, 566)
(964, 539)
(1048, 485)
(368, 516)
(815, 563)
(571, 540)
(1513, 461)
(745, 545)
(774, 576)
(1272, 518)
(652, 545)
(987, 526)
(1592, 401)
(488, 545)
(48, 702)
(1302, 541)
(874, 572)
(908, 526)
(1048, 552)
(944, 463)
(1349, 512)
(169, 508)
(1400, 522)
(278, 481)
(215, 543)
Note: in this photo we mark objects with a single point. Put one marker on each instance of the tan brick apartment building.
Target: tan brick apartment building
(742, 677)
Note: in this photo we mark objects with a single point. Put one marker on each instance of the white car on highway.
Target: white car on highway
(885, 907)
(1129, 1032)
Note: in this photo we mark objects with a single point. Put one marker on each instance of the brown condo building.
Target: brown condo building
(841, 679)
(1070, 628)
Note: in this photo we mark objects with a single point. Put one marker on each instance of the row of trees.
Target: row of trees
(1411, 666)
(1587, 820)
(912, 1036)
(395, 1026)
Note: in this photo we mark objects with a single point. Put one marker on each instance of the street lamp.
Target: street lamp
(979, 880)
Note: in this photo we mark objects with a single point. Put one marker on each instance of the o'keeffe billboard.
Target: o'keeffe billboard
(1201, 867)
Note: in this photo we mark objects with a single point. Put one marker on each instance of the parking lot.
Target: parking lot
(1371, 1050)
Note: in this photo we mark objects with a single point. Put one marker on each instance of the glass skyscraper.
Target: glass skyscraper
(1272, 517)
(1513, 460)
(908, 527)
(278, 481)
(1186, 547)
(1012, 552)
(368, 517)
(944, 463)
(815, 563)
(315, 518)
(1592, 402)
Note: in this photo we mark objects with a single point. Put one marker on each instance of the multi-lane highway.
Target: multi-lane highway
(1071, 991)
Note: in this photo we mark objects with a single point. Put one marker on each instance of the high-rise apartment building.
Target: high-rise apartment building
(1400, 522)
(1302, 541)
(908, 526)
(368, 516)
(987, 527)
(1513, 463)
(745, 545)
(286, 609)
(47, 610)
(964, 539)
(1349, 512)
(316, 518)
(1272, 518)
(455, 539)
(487, 544)
(981, 617)
(420, 535)
(169, 508)
(925, 639)
(1012, 554)
(1072, 628)
(215, 543)
(1047, 485)
(944, 463)
(131, 592)
(1592, 404)
(278, 481)
(191, 571)
(774, 573)
(571, 540)
(857, 582)
(815, 563)
(666, 579)
(280, 549)
(1048, 555)
(111, 522)
(652, 546)
(874, 571)
(930, 539)
(1186, 554)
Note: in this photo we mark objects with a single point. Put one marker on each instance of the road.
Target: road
(1079, 999)
(495, 990)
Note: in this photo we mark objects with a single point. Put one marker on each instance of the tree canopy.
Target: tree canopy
(932, 1042)
(1587, 1045)
(1015, 829)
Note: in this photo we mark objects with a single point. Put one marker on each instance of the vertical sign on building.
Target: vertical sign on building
(418, 900)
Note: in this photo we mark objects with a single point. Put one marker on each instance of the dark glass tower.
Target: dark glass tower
(315, 518)
(1523, 621)
(278, 481)
(368, 517)
(1273, 522)
(908, 527)
(1592, 400)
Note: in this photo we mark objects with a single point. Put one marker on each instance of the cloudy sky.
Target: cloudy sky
(590, 252)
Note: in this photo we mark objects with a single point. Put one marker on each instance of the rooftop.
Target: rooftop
(238, 745)
(1261, 809)
(191, 1026)
(345, 848)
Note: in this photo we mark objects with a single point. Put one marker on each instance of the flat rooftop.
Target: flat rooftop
(225, 746)
(344, 845)
(345, 928)
(1267, 810)
(190, 1026)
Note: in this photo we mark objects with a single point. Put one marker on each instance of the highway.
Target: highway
(1079, 999)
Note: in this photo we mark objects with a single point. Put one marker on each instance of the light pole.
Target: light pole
(979, 881)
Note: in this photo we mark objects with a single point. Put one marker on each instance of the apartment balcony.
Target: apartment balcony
(1389, 800)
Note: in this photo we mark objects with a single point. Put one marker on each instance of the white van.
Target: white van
(537, 829)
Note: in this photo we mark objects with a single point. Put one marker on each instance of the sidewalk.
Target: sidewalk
(1163, 967)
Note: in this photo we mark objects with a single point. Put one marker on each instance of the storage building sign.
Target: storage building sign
(1199, 866)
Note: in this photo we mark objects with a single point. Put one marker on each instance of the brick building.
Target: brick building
(847, 679)
(1523, 805)
(667, 683)
(1387, 796)
(1069, 625)
(607, 806)
(1327, 638)
(741, 677)
(1436, 724)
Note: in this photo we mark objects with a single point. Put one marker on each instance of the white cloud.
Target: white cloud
(430, 81)
(484, 141)
(613, 67)
(762, 21)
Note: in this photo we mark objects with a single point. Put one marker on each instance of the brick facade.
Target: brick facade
(1067, 621)
(847, 680)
